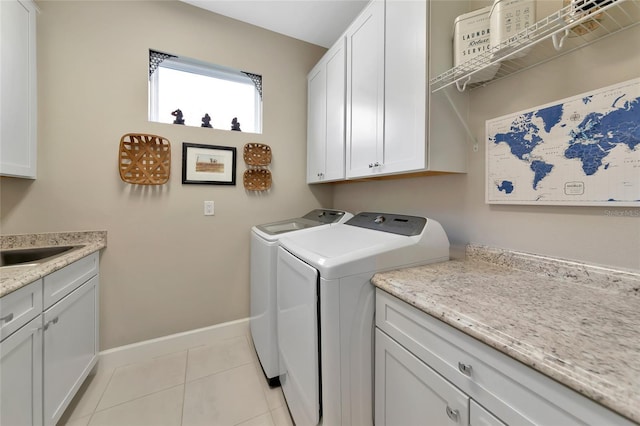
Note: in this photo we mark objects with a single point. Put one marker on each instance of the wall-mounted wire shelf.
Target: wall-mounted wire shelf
(574, 26)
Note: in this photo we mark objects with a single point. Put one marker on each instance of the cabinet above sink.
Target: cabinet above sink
(18, 84)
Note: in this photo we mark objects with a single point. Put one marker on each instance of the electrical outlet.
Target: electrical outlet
(208, 208)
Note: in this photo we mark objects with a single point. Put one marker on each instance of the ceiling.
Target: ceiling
(319, 22)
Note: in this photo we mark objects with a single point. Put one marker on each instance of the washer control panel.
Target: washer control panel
(324, 215)
(388, 222)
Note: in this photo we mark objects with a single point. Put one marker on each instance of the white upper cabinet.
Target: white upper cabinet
(326, 117)
(393, 124)
(365, 90)
(405, 89)
(18, 88)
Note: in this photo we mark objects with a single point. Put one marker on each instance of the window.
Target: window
(198, 88)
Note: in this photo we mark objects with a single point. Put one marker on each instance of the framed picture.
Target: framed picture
(208, 164)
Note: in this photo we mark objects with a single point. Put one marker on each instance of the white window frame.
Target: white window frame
(202, 68)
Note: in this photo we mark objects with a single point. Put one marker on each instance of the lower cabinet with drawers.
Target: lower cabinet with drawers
(49, 332)
(427, 372)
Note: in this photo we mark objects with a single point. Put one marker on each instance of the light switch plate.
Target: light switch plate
(208, 208)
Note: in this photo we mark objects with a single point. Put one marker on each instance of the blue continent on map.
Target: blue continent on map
(540, 170)
(599, 133)
(551, 116)
(524, 136)
(506, 186)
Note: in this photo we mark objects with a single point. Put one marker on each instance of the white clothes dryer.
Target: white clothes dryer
(264, 250)
(326, 310)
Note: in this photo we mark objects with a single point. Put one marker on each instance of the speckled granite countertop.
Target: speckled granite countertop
(14, 277)
(576, 323)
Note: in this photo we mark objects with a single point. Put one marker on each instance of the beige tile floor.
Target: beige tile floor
(219, 384)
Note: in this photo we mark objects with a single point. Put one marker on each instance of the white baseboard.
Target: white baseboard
(136, 352)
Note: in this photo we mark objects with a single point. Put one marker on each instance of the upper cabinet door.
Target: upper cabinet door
(326, 116)
(365, 91)
(316, 122)
(405, 89)
(336, 99)
(18, 88)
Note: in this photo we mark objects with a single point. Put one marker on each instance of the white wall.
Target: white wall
(601, 235)
(167, 268)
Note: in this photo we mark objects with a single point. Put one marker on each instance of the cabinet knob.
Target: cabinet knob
(454, 415)
(7, 318)
(464, 369)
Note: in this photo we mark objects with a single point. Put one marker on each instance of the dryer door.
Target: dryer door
(297, 296)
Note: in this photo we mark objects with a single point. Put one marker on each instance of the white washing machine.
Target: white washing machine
(264, 251)
(326, 310)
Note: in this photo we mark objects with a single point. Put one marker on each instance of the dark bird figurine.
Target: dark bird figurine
(206, 121)
(235, 124)
(178, 115)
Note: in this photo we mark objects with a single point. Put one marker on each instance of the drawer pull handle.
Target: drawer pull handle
(453, 414)
(7, 318)
(465, 369)
(53, 321)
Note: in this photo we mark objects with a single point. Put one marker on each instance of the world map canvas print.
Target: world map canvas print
(583, 150)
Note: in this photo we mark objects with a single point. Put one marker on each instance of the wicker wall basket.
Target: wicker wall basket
(144, 159)
(257, 179)
(257, 154)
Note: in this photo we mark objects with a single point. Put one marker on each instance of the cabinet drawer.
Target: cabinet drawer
(20, 307)
(64, 281)
(499, 383)
(478, 416)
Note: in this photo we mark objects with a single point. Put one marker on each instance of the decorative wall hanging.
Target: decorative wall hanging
(577, 151)
(258, 177)
(257, 154)
(144, 159)
(208, 164)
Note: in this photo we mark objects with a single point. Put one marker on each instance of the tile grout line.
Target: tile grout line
(136, 398)
(111, 375)
(171, 386)
(255, 417)
(93, 412)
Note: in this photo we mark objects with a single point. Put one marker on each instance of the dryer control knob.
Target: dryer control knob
(379, 219)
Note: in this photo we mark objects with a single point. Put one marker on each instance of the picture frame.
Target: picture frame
(208, 164)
